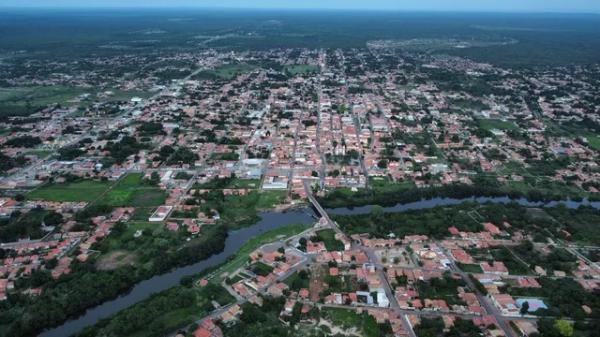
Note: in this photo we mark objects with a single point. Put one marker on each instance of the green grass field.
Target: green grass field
(593, 141)
(240, 211)
(470, 268)
(269, 199)
(349, 319)
(385, 184)
(301, 69)
(119, 241)
(130, 191)
(26, 100)
(513, 167)
(327, 236)
(225, 72)
(490, 124)
(244, 183)
(87, 190)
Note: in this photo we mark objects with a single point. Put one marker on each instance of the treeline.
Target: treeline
(401, 195)
(561, 328)
(146, 316)
(23, 141)
(434, 327)
(28, 225)
(86, 287)
(564, 297)
(433, 222)
(128, 146)
(8, 163)
(179, 155)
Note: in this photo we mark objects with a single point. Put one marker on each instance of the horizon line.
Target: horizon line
(296, 9)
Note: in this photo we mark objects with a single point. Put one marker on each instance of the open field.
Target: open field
(225, 72)
(87, 190)
(115, 259)
(40, 153)
(130, 191)
(593, 141)
(470, 268)
(244, 183)
(119, 241)
(490, 124)
(301, 69)
(327, 236)
(269, 199)
(239, 211)
(350, 320)
(127, 192)
(26, 100)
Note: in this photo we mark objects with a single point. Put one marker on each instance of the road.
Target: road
(390, 293)
(323, 167)
(361, 158)
(320, 210)
(372, 259)
(293, 157)
(483, 300)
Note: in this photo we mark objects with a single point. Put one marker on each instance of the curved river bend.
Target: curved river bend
(269, 221)
(144, 289)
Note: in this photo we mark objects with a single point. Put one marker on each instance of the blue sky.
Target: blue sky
(438, 5)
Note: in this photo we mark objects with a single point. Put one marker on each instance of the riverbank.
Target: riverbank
(280, 216)
(157, 308)
(146, 288)
(87, 286)
(435, 202)
(401, 194)
(435, 217)
(242, 238)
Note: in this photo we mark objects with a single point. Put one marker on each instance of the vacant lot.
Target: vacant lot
(301, 69)
(225, 72)
(131, 191)
(87, 190)
(327, 236)
(593, 141)
(490, 124)
(115, 259)
(351, 321)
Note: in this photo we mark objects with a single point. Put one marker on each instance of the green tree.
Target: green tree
(382, 164)
(564, 327)
(377, 210)
(524, 308)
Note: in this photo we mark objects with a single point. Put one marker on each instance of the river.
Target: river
(144, 289)
(434, 202)
(269, 221)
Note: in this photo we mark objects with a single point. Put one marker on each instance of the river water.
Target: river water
(144, 289)
(434, 202)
